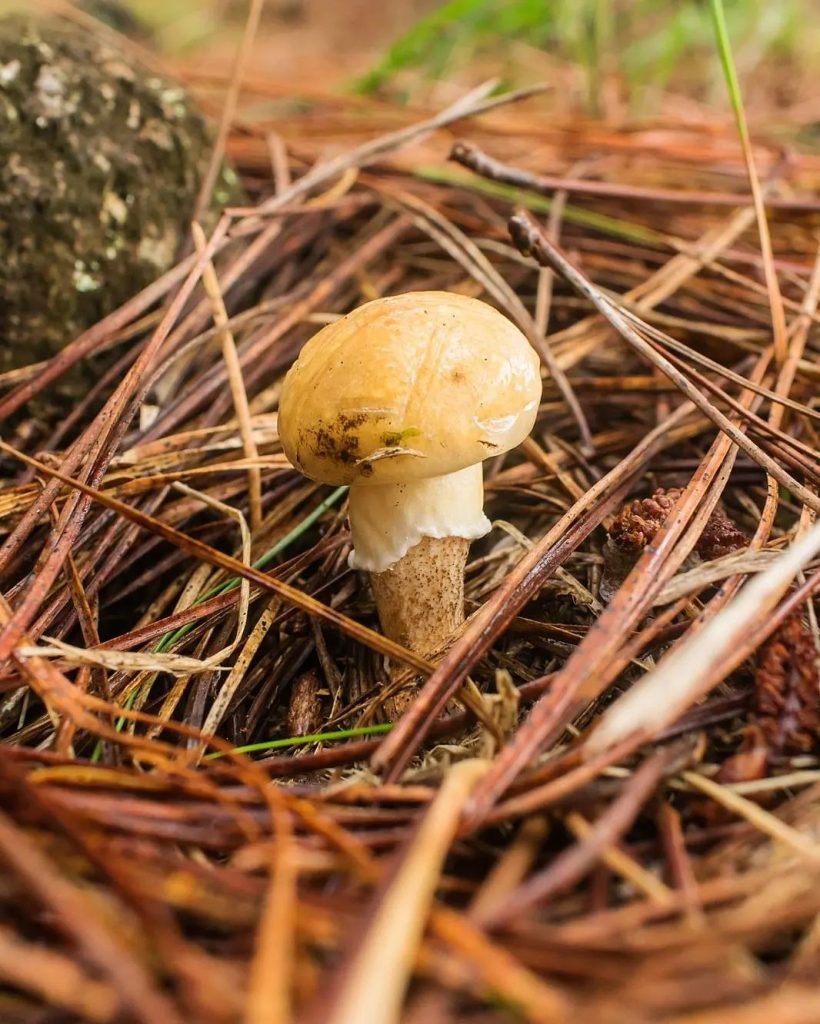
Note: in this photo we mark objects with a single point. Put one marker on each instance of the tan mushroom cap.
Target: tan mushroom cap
(412, 386)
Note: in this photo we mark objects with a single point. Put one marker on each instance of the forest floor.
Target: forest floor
(205, 814)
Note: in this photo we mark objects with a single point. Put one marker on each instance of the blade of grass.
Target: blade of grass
(300, 741)
(168, 641)
(271, 555)
(727, 61)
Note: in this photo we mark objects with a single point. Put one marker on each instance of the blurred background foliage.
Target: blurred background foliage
(646, 41)
(611, 57)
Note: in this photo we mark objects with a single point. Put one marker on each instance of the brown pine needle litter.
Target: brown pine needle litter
(204, 815)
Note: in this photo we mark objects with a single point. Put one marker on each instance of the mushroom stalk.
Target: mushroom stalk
(413, 539)
(420, 599)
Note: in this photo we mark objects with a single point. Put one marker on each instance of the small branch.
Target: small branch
(476, 160)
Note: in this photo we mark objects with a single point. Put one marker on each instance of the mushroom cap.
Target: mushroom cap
(407, 387)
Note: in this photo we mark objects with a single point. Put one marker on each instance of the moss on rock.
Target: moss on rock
(100, 164)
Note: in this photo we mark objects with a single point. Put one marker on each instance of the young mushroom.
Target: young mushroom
(403, 399)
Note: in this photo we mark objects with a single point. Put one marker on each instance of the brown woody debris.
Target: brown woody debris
(786, 704)
(639, 521)
(750, 762)
(787, 690)
(305, 706)
(721, 536)
(787, 680)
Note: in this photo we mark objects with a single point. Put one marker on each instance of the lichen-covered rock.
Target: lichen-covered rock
(100, 165)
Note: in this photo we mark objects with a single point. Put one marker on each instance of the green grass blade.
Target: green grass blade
(262, 562)
(299, 741)
(727, 61)
(169, 639)
(779, 335)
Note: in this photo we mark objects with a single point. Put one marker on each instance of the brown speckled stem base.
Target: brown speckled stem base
(421, 600)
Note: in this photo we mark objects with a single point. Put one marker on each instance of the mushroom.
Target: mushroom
(403, 399)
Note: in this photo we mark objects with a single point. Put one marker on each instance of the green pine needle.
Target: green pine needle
(271, 555)
(299, 741)
(728, 62)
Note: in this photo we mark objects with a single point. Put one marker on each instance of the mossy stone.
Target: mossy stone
(100, 164)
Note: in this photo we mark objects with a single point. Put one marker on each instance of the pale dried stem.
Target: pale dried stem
(234, 368)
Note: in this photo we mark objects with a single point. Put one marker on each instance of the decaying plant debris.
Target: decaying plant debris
(174, 845)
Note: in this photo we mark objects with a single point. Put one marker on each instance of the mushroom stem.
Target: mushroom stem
(412, 538)
(420, 600)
